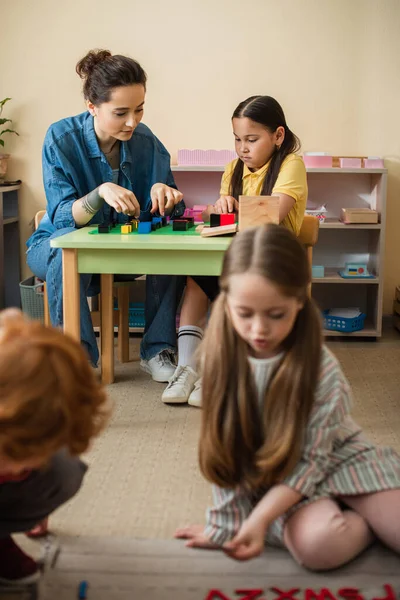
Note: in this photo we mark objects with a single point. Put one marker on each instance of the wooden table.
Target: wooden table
(162, 252)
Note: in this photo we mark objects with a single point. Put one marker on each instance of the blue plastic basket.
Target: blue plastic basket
(136, 314)
(343, 324)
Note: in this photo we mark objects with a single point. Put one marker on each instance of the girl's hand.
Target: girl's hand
(121, 199)
(247, 543)
(195, 536)
(226, 204)
(164, 198)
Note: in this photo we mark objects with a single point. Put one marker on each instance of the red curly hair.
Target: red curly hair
(49, 396)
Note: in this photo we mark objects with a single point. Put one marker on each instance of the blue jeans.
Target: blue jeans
(163, 294)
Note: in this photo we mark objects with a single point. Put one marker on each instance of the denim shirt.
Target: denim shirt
(74, 165)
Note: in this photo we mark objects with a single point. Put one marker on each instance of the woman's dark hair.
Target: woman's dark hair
(102, 72)
(268, 112)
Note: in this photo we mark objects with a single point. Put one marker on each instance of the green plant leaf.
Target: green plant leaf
(1, 143)
(8, 131)
(2, 102)
(2, 121)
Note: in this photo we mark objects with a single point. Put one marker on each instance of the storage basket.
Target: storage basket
(32, 298)
(347, 325)
(136, 314)
(320, 214)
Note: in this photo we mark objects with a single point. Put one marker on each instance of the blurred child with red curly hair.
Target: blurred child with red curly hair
(51, 408)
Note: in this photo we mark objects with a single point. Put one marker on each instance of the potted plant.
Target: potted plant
(4, 157)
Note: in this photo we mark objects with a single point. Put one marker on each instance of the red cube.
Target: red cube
(228, 219)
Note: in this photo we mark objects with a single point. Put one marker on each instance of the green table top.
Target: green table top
(161, 239)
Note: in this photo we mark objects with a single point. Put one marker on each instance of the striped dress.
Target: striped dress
(337, 460)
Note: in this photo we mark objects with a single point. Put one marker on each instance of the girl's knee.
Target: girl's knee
(311, 542)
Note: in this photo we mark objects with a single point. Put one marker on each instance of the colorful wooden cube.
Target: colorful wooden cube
(227, 219)
(134, 224)
(126, 228)
(144, 227)
(180, 225)
(215, 220)
(104, 228)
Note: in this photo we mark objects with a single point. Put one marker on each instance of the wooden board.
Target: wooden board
(258, 210)
(222, 230)
(358, 215)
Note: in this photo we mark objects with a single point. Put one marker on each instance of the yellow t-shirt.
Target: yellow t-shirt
(292, 180)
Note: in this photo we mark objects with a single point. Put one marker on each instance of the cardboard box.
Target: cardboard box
(358, 215)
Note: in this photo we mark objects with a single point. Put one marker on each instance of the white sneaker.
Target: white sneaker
(195, 396)
(161, 367)
(180, 386)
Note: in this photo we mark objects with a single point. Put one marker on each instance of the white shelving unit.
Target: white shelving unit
(338, 243)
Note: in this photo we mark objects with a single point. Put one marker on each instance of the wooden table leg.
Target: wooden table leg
(107, 329)
(72, 312)
(123, 323)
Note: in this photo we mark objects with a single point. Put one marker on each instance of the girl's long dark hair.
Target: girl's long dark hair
(239, 444)
(268, 112)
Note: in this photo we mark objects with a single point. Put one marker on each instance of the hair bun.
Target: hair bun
(85, 66)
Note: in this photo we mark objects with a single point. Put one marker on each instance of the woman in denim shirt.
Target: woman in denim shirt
(105, 165)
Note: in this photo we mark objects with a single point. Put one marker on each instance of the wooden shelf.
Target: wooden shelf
(331, 171)
(368, 331)
(9, 188)
(332, 276)
(334, 170)
(336, 224)
(9, 220)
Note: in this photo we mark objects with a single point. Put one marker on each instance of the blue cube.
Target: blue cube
(144, 227)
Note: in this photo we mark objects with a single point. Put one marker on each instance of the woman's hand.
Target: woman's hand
(248, 542)
(226, 204)
(195, 536)
(121, 199)
(164, 198)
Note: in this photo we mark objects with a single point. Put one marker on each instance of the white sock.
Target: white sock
(189, 338)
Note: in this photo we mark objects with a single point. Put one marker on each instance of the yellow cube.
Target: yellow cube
(135, 223)
(126, 228)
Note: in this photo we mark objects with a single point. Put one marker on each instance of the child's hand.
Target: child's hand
(195, 536)
(247, 543)
(226, 204)
(164, 198)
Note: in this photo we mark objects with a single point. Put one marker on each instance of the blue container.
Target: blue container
(136, 314)
(343, 324)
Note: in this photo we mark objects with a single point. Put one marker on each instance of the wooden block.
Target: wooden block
(227, 219)
(134, 223)
(126, 228)
(358, 215)
(222, 230)
(180, 225)
(200, 228)
(258, 210)
(104, 228)
(144, 227)
(215, 220)
(190, 221)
